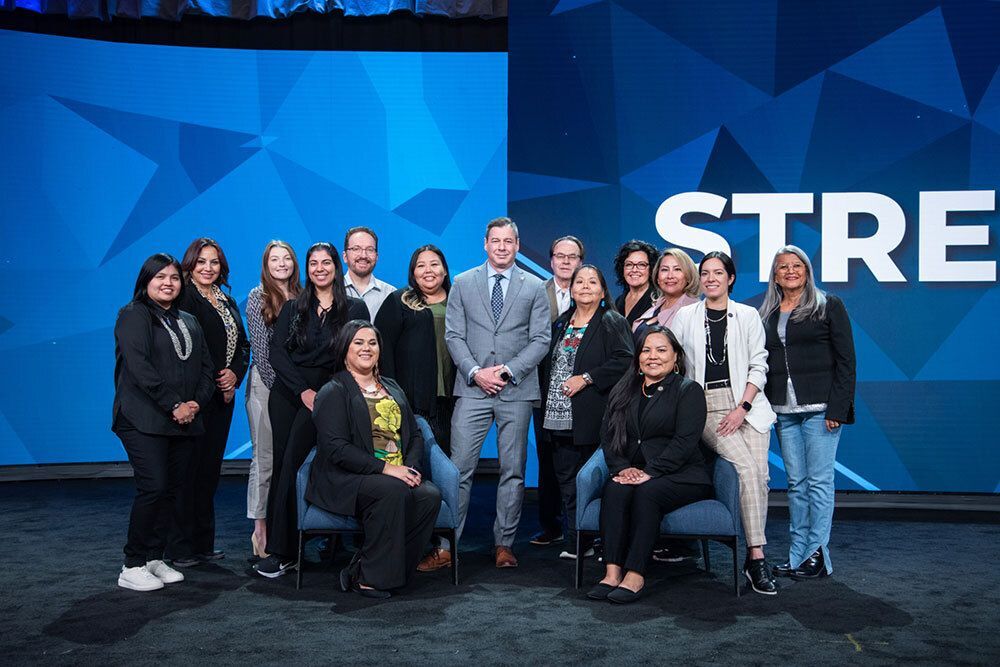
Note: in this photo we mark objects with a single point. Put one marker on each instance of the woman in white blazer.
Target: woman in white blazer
(724, 341)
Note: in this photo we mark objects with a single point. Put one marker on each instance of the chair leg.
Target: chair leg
(704, 554)
(454, 557)
(578, 579)
(298, 565)
(736, 568)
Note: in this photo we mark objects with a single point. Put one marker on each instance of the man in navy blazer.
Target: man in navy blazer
(497, 329)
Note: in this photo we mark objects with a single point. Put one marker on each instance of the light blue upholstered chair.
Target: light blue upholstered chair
(715, 519)
(444, 474)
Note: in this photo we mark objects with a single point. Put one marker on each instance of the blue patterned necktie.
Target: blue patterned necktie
(496, 299)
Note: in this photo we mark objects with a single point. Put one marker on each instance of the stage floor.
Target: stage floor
(924, 592)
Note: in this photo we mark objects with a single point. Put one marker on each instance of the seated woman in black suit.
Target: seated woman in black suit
(591, 349)
(368, 464)
(164, 377)
(651, 439)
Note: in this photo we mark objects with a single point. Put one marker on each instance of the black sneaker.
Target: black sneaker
(273, 567)
(545, 538)
(759, 575)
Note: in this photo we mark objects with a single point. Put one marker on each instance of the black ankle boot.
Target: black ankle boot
(812, 568)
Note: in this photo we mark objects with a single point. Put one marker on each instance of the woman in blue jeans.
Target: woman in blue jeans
(810, 384)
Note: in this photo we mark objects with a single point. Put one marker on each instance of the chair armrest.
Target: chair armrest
(301, 481)
(590, 483)
(727, 489)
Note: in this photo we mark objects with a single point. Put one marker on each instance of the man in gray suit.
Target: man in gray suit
(497, 331)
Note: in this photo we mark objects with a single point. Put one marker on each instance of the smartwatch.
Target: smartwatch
(746, 405)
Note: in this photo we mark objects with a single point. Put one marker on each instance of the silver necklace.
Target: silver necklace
(708, 341)
(183, 356)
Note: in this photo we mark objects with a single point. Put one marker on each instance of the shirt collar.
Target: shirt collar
(373, 283)
(490, 271)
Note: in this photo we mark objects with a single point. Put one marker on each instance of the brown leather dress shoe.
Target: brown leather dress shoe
(505, 557)
(435, 560)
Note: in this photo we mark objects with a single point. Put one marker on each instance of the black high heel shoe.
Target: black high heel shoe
(349, 583)
(812, 568)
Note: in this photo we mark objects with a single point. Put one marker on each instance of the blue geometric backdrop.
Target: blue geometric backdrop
(615, 105)
(112, 152)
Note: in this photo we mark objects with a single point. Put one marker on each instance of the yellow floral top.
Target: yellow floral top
(387, 420)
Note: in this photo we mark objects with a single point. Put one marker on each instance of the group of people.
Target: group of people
(659, 379)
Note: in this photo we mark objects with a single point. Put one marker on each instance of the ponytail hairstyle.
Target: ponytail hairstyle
(625, 391)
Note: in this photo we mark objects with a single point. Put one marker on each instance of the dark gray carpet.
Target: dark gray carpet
(924, 593)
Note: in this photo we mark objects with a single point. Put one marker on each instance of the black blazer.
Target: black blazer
(310, 366)
(820, 357)
(409, 351)
(645, 303)
(345, 450)
(606, 353)
(149, 376)
(193, 302)
(666, 441)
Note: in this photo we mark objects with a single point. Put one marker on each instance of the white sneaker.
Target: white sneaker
(164, 572)
(569, 555)
(138, 579)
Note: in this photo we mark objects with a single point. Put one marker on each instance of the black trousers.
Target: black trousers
(159, 464)
(195, 531)
(567, 459)
(398, 522)
(631, 515)
(549, 502)
(440, 421)
(294, 435)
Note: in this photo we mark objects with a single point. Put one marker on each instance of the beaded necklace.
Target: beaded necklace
(181, 354)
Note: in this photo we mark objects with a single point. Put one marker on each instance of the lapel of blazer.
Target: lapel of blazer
(696, 329)
(358, 409)
(550, 291)
(516, 280)
(404, 427)
(483, 287)
(588, 336)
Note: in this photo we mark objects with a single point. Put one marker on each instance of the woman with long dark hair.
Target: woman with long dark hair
(206, 271)
(632, 271)
(652, 428)
(724, 342)
(303, 356)
(163, 379)
(810, 384)
(591, 349)
(279, 282)
(414, 353)
(368, 464)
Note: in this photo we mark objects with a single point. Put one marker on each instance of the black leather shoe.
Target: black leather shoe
(759, 576)
(783, 570)
(624, 596)
(545, 538)
(186, 561)
(373, 593)
(217, 554)
(812, 568)
(600, 591)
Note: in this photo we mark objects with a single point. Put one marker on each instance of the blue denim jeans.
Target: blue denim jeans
(809, 452)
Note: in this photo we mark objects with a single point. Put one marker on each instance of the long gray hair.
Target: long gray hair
(812, 305)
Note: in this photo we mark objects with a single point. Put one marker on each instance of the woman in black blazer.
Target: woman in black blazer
(163, 378)
(634, 272)
(303, 358)
(652, 430)
(368, 464)
(590, 350)
(414, 354)
(810, 384)
(206, 271)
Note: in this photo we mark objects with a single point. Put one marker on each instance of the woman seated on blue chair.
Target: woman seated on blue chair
(368, 460)
(652, 429)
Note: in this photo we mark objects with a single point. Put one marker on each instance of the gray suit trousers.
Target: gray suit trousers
(470, 424)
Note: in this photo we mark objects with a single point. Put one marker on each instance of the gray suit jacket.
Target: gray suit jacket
(519, 339)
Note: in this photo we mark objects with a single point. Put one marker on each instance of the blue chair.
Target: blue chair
(444, 474)
(717, 519)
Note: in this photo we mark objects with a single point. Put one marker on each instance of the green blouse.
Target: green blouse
(387, 419)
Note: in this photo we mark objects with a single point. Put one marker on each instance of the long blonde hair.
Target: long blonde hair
(692, 284)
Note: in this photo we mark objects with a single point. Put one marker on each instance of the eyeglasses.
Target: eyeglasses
(367, 250)
(636, 265)
(784, 268)
(563, 257)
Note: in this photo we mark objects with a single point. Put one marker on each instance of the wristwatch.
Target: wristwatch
(746, 405)
(587, 378)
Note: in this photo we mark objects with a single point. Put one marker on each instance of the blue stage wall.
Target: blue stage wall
(112, 152)
(617, 106)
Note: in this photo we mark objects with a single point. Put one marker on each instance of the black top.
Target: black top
(149, 376)
(409, 352)
(193, 302)
(717, 344)
(308, 366)
(665, 439)
(606, 353)
(645, 303)
(345, 452)
(820, 357)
